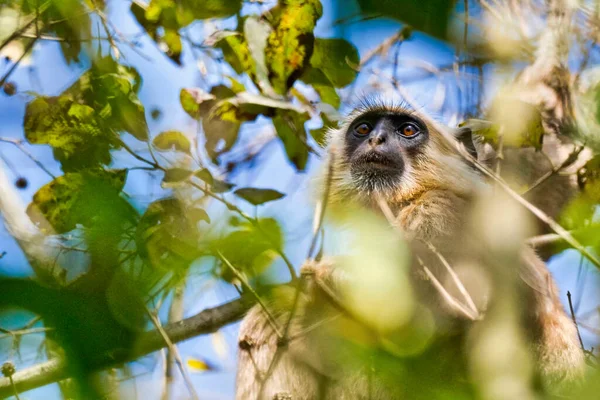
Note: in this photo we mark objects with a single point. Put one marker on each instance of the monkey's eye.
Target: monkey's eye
(363, 129)
(409, 130)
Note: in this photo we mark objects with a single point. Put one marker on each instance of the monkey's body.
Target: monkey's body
(390, 153)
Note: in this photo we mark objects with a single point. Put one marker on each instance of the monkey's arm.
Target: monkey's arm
(272, 368)
(557, 346)
(434, 214)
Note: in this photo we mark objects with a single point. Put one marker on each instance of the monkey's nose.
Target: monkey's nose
(377, 139)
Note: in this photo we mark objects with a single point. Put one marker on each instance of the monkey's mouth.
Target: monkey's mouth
(374, 171)
(377, 160)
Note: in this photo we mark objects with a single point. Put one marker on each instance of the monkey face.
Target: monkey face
(380, 146)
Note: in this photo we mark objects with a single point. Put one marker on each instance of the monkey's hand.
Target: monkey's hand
(320, 270)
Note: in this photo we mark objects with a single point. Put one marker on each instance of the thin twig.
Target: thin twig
(19, 144)
(173, 350)
(574, 319)
(447, 296)
(455, 278)
(17, 62)
(175, 314)
(472, 313)
(569, 160)
(381, 48)
(17, 33)
(320, 209)
(542, 240)
(245, 283)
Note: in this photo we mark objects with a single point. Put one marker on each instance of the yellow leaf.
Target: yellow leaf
(199, 365)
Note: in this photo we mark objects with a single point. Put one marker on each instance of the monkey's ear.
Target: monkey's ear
(465, 136)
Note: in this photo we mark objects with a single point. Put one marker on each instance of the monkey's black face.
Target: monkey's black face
(380, 147)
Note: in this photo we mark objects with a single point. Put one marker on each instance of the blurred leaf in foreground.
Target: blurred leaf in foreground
(429, 16)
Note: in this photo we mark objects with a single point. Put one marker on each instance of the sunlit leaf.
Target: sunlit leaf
(221, 126)
(236, 53)
(519, 124)
(162, 19)
(258, 196)
(76, 136)
(205, 9)
(172, 140)
(290, 44)
(79, 198)
(236, 86)
(82, 124)
(191, 99)
(174, 46)
(205, 175)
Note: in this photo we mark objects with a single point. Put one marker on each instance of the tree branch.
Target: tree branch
(35, 244)
(207, 321)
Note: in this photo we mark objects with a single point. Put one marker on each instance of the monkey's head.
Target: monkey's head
(389, 151)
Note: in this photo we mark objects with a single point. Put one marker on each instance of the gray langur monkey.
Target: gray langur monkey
(389, 152)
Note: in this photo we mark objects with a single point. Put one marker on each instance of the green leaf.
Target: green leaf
(176, 175)
(173, 41)
(221, 186)
(75, 134)
(317, 79)
(220, 125)
(205, 175)
(192, 98)
(290, 44)
(198, 214)
(110, 84)
(76, 25)
(290, 129)
(237, 54)
(207, 9)
(236, 86)
(166, 236)
(79, 198)
(83, 123)
(336, 59)
(163, 19)
(172, 140)
(256, 196)
(429, 16)
(248, 248)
